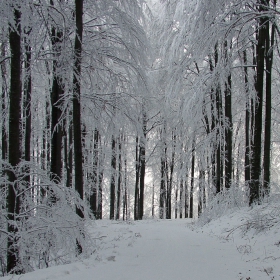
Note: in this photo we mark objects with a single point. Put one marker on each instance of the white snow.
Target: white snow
(236, 246)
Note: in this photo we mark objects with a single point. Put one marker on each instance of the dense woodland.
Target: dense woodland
(130, 109)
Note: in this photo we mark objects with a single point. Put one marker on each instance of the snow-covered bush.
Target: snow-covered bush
(47, 226)
(224, 202)
(263, 217)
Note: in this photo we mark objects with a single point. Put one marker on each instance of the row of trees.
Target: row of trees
(222, 58)
(124, 110)
(66, 68)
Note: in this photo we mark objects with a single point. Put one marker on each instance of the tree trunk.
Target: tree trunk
(192, 179)
(27, 101)
(267, 125)
(125, 191)
(137, 173)
(228, 126)
(4, 97)
(186, 205)
(162, 189)
(100, 181)
(181, 198)
(94, 189)
(142, 152)
(77, 132)
(257, 137)
(57, 92)
(119, 180)
(247, 171)
(13, 202)
(113, 179)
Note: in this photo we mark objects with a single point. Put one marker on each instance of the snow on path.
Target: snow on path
(155, 250)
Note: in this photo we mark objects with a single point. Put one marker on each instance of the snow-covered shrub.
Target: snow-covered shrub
(47, 226)
(224, 202)
(263, 217)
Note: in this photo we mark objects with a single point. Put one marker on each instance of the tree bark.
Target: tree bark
(77, 131)
(247, 171)
(192, 179)
(267, 125)
(257, 137)
(228, 127)
(57, 92)
(4, 102)
(13, 202)
(137, 173)
(118, 209)
(142, 152)
(113, 179)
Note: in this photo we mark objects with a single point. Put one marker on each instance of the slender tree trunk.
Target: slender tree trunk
(113, 179)
(257, 137)
(201, 190)
(57, 92)
(162, 189)
(142, 152)
(212, 127)
(181, 198)
(69, 155)
(186, 205)
(228, 135)
(136, 193)
(192, 179)
(13, 202)
(27, 102)
(119, 180)
(4, 97)
(219, 125)
(100, 191)
(77, 131)
(125, 190)
(93, 198)
(247, 172)
(267, 126)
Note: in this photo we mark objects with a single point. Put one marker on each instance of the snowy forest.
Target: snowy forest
(131, 110)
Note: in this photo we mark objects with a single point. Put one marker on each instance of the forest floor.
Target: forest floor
(243, 245)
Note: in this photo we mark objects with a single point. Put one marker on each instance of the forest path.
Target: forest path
(155, 250)
(169, 249)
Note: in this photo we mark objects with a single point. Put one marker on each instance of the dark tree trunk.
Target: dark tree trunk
(4, 97)
(69, 154)
(77, 131)
(176, 203)
(228, 135)
(142, 152)
(267, 126)
(219, 125)
(93, 198)
(27, 101)
(125, 217)
(170, 180)
(57, 92)
(137, 170)
(192, 179)
(186, 205)
(118, 209)
(247, 172)
(113, 179)
(201, 191)
(162, 188)
(100, 181)
(213, 127)
(181, 198)
(13, 202)
(257, 136)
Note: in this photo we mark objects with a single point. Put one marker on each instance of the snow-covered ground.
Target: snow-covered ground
(242, 245)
